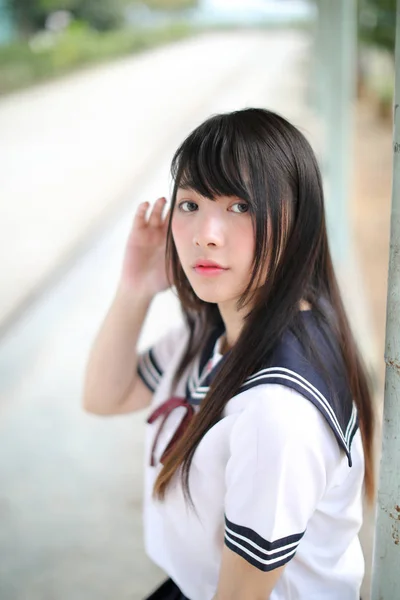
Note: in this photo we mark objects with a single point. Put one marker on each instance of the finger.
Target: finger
(139, 220)
(155, 219)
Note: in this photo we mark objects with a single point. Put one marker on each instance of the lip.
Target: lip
(208, 268)
(209, 271)
(208, 264)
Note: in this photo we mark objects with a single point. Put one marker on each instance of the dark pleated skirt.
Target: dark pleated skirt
(167, 591)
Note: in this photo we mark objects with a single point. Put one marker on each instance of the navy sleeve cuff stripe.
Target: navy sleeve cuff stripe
(145, 381)
(149, 367)
(252, 548)
(154, 362)
(249, 535)
(149, 371)
(266, 564)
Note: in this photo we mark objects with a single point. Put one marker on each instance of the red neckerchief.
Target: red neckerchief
(165, 410)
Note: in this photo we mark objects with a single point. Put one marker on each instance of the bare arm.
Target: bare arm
(111, 384)
(239, 580)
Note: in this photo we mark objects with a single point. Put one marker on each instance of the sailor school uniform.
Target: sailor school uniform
(278, 479)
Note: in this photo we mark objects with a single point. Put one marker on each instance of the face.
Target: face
(219, 232)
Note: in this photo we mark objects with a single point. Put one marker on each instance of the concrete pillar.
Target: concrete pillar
(338, 28)
(386, 561)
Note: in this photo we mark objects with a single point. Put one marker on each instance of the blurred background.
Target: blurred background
(95, 96)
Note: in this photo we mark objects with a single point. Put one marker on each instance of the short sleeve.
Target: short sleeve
(275, 476)
(154, 361)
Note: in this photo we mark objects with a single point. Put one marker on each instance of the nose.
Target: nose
(209, 231)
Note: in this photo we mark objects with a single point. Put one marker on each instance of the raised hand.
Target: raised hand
(144, 261)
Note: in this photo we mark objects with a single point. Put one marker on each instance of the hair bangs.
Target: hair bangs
(211, 161)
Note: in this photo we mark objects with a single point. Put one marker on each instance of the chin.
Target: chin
(212, 296)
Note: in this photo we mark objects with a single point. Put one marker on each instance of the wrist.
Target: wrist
(134, 292)
(132, 300)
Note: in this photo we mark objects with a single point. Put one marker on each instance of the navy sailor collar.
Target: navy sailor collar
(289, 366)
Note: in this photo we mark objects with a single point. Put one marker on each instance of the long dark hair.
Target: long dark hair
(260, 157)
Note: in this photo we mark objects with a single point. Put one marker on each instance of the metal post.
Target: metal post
(7, 25)
(386, 562)
(323, 52)
(339, 26)
(318, 60)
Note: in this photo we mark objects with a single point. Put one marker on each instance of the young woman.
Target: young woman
(259, 435)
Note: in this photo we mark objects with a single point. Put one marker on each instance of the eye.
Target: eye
(241, 207)
(187, 206)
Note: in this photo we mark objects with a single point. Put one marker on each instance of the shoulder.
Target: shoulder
(318, 376)
(281, 419)
(274, 403)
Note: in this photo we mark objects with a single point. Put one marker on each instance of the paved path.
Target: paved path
(70, 483)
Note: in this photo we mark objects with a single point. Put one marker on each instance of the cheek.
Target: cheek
(176, 229)
(244, 241)
(180, 233)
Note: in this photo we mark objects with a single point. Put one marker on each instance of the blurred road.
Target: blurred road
(70, 483)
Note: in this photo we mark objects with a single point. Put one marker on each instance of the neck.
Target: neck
(233, 321)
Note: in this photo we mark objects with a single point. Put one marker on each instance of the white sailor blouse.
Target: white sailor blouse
(278, 479)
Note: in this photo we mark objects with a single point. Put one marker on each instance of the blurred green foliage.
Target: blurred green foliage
(170, 4)
(96, 32)
(103, 15)
(377, 23)
(47, 54)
